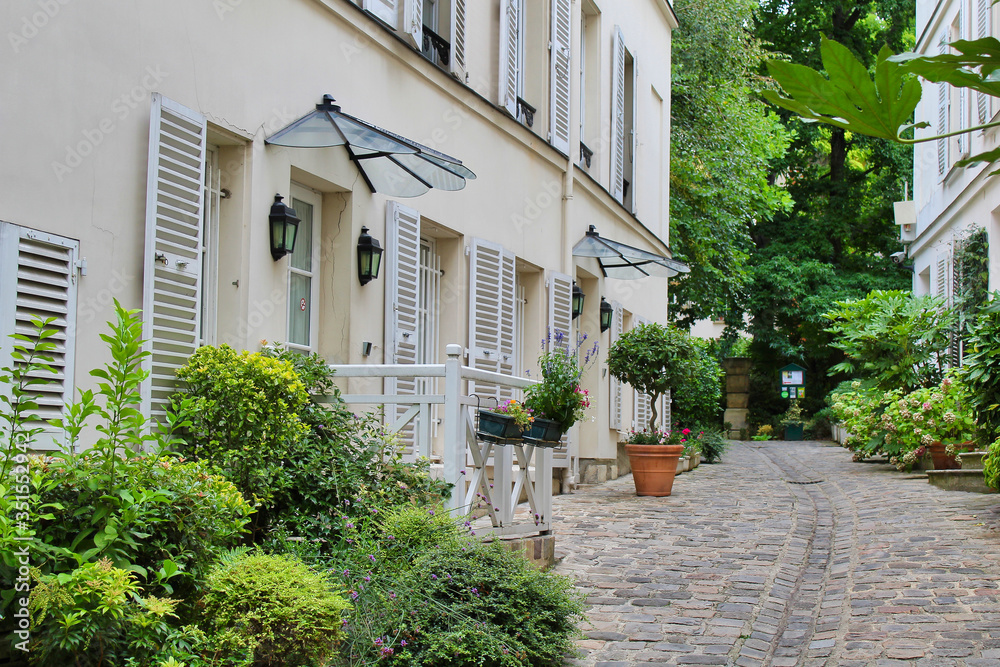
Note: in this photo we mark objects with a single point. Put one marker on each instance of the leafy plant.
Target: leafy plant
(697, 400)
(559, 396)
(991, 465)
(517, 411)
(713, 445)
(426, 595)
(764, 433)
(793, 415)
(980, 370)
(243, 415)
(279, 608)
(893, 338)
(653, 358)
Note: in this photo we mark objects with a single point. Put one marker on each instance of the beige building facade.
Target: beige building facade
(135, 167)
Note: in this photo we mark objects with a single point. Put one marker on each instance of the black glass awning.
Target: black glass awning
(625, 262)
(389, 163)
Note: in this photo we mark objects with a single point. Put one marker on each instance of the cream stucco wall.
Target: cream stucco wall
(76, 100)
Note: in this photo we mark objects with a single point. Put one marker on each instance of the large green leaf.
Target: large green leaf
(879, 106)
(975, 66)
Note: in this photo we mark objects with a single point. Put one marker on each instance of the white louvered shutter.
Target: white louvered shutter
(386, 10)
(402, 287)
(492, 316)
(173, 257)
(615, 385)
(641, 403)
(559, 56)
(618, 115)
(941, 278)
(38, 279)
(561, 319)
(413, 21)
(509, 55)
(665, 410)
(456, 63)
(561, 308)
(982, 30)
(942, 123)
(962, 140)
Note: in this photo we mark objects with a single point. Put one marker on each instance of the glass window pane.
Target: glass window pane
(302, 255)
(299, 308)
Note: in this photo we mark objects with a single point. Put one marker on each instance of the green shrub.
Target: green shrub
(287, 613)
(991, 466)
(980, 371)
(163, 519)
(243, 414)
(96, 615)
(426, 595)
(713, 444)
(697, 400)
(892, 338)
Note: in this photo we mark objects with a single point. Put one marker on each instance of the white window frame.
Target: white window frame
(210, 248)
(314, 198)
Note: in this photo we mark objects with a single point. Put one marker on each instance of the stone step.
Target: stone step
(959, 480)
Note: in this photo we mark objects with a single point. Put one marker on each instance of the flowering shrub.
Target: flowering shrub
(519, 412)
(925, 416)
(859, 407)
(678, 436)
(991, 466)
(559, 396)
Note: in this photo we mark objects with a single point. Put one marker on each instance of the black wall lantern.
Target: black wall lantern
(284, 227)
(607, 312)
(578, 297)
(369, 257)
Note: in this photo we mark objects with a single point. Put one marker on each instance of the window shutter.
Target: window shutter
(561, 308)
(173, 260)
(457, 61)
(982, 30)
(641, 403)
(38, 279)
(615, 385)
(617, 115)
(413, 21)
(402, 285)
(941, 278)
(492, 316)
(508, 55)
(942, 126)
(666, 418)
(559, 56)
(962, 140)
(386, 10)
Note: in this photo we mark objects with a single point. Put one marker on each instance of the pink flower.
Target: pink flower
(926, 405)
(686, 431)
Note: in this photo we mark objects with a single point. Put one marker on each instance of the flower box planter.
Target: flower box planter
(496, 425)
(544, 433)
(794, 431)
(653, 468)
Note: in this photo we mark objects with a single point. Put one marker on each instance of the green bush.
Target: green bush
(892, 338)
(980, 370)
(653, 358)
(243, 415)
(712, 443)
(697, 400)
(96, 615)
(991, 466)
(285, 612)
(426, 595)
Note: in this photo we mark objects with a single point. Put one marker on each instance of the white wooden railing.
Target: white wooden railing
(519, 469)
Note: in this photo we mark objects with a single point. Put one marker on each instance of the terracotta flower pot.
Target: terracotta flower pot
(653, 468)
(941, 459)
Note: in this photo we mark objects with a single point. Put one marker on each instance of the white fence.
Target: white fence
(518, 470)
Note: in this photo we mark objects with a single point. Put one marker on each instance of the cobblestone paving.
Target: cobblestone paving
(785, 554)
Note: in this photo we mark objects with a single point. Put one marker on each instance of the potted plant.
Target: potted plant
(653, 358)
(793, 422)
(764, 432)
(509, 419)
(558, 401)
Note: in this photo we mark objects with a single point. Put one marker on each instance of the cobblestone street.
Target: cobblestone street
(785, 554)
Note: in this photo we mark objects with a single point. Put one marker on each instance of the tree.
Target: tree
(653, 358)
(834, 242)
(722, 141)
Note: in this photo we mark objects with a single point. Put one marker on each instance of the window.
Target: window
(590, 83)
(209, 248)
(522, 48)
(436, 28)
(959, 98)
(303, 272)
(38, 278)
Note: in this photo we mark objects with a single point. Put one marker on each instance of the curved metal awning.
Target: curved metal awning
(618, 260)
(389, 163)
